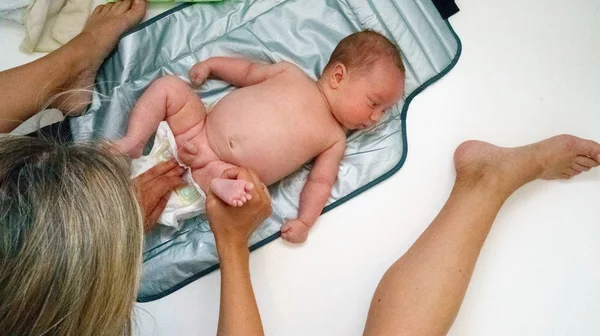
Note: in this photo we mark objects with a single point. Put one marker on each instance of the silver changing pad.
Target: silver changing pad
(304, 32)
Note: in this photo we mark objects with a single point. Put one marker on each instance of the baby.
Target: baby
(276, 121)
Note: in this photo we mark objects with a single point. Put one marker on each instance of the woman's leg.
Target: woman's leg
(28, 88)
(421, 292)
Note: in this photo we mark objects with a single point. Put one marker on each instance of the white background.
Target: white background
(529, 70)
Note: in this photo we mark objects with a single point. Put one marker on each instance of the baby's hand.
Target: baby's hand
(294, 231)
(199, 73)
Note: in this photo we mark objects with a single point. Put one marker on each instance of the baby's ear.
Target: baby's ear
(337, 75)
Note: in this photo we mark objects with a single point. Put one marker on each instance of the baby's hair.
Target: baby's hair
(360, 51)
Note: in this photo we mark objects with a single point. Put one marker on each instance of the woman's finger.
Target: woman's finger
(162, 186)
(152, 218)
(177, 171)
(156, 171)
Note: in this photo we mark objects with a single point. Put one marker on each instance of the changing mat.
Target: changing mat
(304, 32)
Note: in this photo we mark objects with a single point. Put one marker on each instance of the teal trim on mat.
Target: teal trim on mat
(344, 199)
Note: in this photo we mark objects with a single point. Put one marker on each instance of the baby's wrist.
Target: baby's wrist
(304, 222)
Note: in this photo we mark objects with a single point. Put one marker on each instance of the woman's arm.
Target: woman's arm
(232, 227)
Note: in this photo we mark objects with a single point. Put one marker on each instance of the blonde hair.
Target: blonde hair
(70, 239)
(360, 51)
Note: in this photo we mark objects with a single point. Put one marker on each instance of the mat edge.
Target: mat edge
(344, 199)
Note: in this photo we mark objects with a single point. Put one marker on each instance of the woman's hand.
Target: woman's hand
(233, 225)
(153, 188)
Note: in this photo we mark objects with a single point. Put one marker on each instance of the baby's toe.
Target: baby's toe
(249, 186)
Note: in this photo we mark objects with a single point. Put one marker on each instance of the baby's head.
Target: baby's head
(364, 78)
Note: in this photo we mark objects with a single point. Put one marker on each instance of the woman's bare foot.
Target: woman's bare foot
(504, 170)
(232, 192)
(88, 50)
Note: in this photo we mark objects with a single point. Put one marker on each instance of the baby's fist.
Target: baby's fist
(294, 231)
(199, 73)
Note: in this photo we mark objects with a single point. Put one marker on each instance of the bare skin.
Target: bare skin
(422, 292)
(277, 120)
(232, 226)
(29, 88)
(73, 67)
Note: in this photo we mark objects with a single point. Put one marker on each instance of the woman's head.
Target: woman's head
(70, 239)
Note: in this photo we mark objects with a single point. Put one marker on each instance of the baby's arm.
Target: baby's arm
(236, 71)
(315, 193)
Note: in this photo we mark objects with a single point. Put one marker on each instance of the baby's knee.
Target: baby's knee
(169, 82)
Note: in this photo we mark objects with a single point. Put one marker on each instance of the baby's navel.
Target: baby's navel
(231, 144)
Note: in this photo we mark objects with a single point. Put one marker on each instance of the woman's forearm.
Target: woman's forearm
(238, 313)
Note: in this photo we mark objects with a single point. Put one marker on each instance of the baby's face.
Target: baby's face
(366, 97)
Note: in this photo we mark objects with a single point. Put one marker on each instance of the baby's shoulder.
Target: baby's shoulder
(335, 132)
(291, 69)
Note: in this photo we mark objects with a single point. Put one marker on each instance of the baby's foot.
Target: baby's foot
(89, 49)
(232, 192)
(294, 231)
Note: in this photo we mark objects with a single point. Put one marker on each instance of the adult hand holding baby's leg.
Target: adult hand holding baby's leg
(294, 231)
(232, 227)
(234, 224)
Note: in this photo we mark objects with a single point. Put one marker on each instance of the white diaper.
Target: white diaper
(184, 203)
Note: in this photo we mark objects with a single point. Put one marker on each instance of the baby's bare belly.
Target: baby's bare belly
(255, 137)
(269, 133)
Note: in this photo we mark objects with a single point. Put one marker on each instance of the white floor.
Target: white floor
(529, 70)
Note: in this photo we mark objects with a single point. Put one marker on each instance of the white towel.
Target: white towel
(52, 23)
(13, 10)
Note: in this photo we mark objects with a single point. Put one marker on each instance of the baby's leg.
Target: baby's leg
(212, 177)
(167, 98)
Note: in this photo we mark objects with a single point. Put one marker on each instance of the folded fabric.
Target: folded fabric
(13, 10)
(50, 24)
